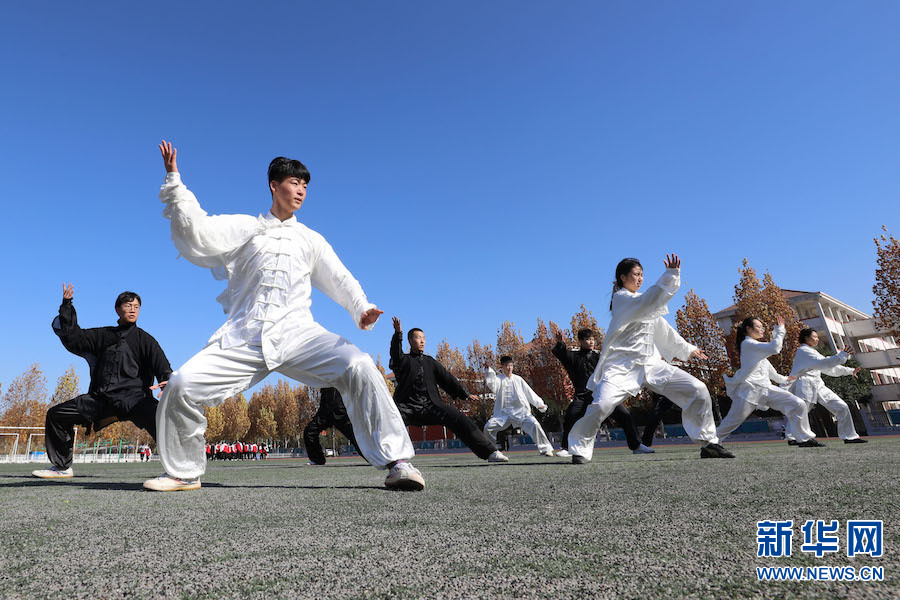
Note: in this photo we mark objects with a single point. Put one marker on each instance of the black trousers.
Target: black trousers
(59, 427)
(450, 417)
(661, 405)
(620, 415)
(321, 421)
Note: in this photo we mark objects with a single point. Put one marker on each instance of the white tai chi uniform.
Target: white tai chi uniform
(750, 388)
(512, 397)
(808, 368)
(271, 267)
(637, 340)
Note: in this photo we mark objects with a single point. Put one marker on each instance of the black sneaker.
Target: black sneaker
(792, 442)
(715, 451)
(578, 460)
(856, 441)
(811, 443)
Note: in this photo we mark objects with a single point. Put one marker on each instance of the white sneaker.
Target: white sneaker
(563, 453)
(164, 483)
(642, 449)
(547, 452)
(53, 473)
(404, 476)
(498, 457)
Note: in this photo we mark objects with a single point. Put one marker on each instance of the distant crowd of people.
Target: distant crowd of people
(236, 451)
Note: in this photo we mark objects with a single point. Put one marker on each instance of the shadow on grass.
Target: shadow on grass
(138, 486)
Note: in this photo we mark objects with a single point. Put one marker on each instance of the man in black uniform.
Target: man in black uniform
(580, 366)
(331, 413)
(123, 360)
(418, 377)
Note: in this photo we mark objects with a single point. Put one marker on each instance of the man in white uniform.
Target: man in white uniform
(513, 399)
(271, 264)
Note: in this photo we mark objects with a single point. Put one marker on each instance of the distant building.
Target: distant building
(840, 325)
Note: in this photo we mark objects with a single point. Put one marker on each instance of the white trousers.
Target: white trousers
(529, 425)
(793, 408)
(323, 360)
(683, 389)
(833, 403)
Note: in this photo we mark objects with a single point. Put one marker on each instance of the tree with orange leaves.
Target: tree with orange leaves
(236, 422)
(887, 283)
(696, 324)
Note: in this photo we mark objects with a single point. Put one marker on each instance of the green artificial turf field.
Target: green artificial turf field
(660, 526)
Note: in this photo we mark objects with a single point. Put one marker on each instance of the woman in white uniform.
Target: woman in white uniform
(638, 339)
(751, 388)
(808, 368)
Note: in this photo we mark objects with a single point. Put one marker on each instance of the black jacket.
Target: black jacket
(123, 359)
(406, 366)
(579, 364)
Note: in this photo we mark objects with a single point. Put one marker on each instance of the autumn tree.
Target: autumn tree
(215, 423)
(235, 420)
(696, 324)
(584, 319)
(887, 283)
(266, 425)
(262, 398)
(287, 412)
(66, 387)
(25, 402)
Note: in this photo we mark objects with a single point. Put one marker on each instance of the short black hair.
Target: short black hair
(281, 168)
(805, 333)
(505, 359)
(127, 297)
(585, 333)
(409, 334)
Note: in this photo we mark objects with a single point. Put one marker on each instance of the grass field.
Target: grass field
(660, 526)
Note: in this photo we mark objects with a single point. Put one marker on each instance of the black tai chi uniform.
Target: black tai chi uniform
(580, 365)
(331, 413)
(418, 377)
(123, 360)
(661, 405)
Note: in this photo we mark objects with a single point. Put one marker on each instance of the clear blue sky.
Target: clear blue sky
(472, 162)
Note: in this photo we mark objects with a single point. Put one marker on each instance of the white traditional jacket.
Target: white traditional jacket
(271, 267)
(638, 335)
(808, 367)
(751, 382)
(512, 405)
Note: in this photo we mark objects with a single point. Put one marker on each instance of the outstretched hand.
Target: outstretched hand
(780, 320)
(68, 291)
(672, 261)
(397, 327)
(169, 153)
(473, 398)
(160, 386)
(699, 354)
(559, 336)
(856, 371)
(369, 318)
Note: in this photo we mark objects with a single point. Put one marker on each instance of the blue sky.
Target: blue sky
(471, 162)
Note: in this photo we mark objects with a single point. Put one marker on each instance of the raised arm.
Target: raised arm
(76, 340)
(200, 238)
(561, 352)
(398, 359)
(492, 381)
